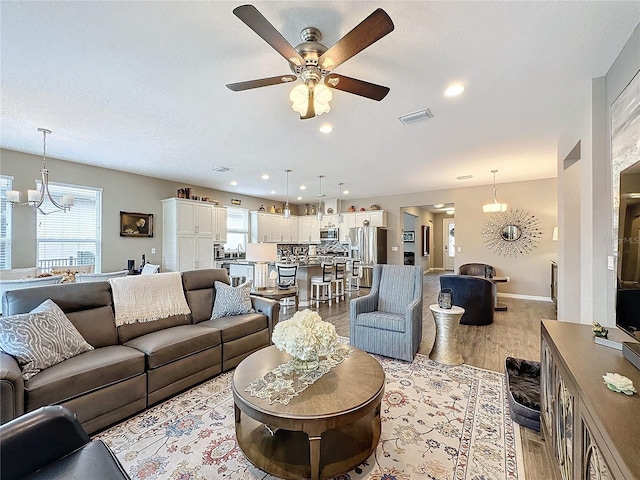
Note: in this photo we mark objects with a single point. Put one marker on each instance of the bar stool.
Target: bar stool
(337, 280)
(321, 285)
(354, 277)
(287, 273)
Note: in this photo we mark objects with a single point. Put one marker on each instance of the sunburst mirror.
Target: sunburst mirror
(515, 232)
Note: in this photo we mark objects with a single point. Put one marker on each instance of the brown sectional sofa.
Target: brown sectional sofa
(134, 365)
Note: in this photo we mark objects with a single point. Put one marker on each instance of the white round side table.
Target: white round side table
(445, 349)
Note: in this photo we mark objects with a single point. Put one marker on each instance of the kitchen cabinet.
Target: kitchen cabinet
(308, 229)
(586, 426)
(266, 227)
(189, 230)
(329, 221)
(220, 235)
(376, 218)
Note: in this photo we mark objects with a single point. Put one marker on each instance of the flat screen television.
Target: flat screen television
(628, 287)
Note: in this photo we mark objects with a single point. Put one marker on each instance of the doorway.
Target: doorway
(448, 243)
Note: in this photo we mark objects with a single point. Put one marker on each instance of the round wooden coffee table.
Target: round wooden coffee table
(327, 430)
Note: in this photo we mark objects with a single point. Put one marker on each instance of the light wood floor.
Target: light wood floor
(514, 333)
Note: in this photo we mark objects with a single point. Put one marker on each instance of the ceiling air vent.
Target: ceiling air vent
(464, 177)
(415, 117)
(221, 169)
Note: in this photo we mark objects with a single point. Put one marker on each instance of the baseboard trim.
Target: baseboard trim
(525, 297)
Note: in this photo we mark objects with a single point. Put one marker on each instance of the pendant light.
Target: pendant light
(320, 196)
(287, 210)
(339, 203)
(35, 198)
(494, 206)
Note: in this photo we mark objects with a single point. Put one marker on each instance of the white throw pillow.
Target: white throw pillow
(41, 338)
(232, 300)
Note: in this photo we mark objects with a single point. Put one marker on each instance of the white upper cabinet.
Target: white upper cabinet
(220, 224)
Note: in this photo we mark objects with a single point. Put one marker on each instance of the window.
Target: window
(237, 229)
(6, 209)
(73, 237)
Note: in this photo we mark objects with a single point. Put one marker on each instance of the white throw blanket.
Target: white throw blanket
(143, 298)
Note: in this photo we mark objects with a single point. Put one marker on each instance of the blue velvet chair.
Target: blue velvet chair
(473, 294)
(388, 321)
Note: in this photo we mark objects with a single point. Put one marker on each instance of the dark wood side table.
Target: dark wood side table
(325, 431)
(278, 294)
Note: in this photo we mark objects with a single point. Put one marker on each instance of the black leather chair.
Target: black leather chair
(473, 294)
(476, 269)
(50, 443)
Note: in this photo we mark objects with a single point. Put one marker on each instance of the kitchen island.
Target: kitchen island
(305, 272)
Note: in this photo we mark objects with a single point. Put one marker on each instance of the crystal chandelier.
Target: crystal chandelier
(35, 198)
(494, 206)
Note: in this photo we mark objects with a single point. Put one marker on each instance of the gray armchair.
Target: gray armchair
(388, 321)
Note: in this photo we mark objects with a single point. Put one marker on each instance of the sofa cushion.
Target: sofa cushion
(133, 330)
(165, 346)
(232, 300)
(382, 321)
(87, 305)
(200, 292)
(237, 326)
(40, 338)
(82, 374)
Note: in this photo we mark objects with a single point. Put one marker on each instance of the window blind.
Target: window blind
(237, 228)
(73, 237)
(6, 183)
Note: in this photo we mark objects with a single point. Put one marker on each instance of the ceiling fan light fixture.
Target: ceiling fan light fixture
(299, 97)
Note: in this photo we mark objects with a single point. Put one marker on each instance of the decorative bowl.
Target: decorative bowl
(284, 287)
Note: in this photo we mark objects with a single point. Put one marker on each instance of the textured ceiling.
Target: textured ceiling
(140, 87)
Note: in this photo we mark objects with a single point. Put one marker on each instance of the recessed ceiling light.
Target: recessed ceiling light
(346, 192)
(450, 212)
(234, 183)
(326, 128)
(265, 176)
(454, 90)
(438, 205)
(273, 192)
(299, 198)
(302, 187)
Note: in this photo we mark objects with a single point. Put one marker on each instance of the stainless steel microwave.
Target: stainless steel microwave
(329, 234)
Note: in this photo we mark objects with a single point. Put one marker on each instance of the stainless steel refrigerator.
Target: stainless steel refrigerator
(369, 245)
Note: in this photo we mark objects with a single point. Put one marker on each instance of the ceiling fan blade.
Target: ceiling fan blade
(311, 110)
(358, 87)
(369, 31)
(262, 82)
(256, 22)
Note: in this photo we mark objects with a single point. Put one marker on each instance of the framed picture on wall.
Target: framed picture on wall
(136, 224)
(425, 240)
(409, 237)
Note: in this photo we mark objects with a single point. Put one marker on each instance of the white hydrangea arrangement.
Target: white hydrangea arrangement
(305, 336)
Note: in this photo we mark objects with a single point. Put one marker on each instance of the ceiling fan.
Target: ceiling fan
(312, 62)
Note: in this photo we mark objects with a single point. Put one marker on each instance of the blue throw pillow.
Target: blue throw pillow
(232, 300)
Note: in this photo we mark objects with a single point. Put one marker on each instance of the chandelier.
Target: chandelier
(35, 198)
(494, 206)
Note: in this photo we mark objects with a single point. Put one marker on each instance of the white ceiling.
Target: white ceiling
(140, 87)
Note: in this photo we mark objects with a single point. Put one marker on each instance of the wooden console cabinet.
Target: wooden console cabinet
(591, 432)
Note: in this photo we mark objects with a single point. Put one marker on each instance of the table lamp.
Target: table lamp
(261, 254)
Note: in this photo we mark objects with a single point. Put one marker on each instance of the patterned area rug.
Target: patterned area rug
(438, 423)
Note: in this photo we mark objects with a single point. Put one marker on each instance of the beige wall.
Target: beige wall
(586, 289)
(529, 274)
(121, 192)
